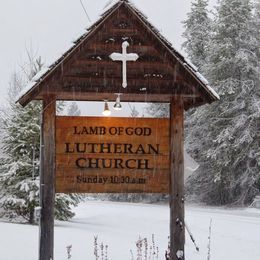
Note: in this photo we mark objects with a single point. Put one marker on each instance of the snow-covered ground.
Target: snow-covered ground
(235, 233)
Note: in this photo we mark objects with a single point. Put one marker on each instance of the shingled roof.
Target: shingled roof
(85, 72)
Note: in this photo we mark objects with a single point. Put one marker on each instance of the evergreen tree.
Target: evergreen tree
(158, 110)
(197, 33)
(223, 137)
(19, 167)
(73, 109)
(63, 202)
(233, 50)
(133, 111)
(256, 31)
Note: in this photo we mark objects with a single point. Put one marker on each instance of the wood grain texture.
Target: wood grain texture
(112, 155)
(47, 179)
(159, 73)
(177, 225)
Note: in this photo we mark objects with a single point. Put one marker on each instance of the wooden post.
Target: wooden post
(177, 228)
(47, 179)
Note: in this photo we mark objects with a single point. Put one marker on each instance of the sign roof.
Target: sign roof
(85, 71)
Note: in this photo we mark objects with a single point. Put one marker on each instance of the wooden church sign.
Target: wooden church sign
(121, 53)
(97, 155)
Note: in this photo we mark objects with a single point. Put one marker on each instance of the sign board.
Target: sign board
(112, 155)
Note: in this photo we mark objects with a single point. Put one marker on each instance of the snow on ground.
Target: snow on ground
(235, 233)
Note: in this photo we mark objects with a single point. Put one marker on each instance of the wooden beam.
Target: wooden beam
(141, 98)
(98, 79)
(107, 49)
(47, 179)
(89, 65)
(177, 225)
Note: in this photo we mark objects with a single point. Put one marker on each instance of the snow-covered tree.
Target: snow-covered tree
(158, 109)
(19, 169)
(133, 111)
(63, 202)
(19, 173)
(197, 33)
(256, 28)
(223, 137)
(233, 50)
(19, 162)
(73, 109)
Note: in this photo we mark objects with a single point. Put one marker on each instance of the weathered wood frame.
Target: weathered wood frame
(79, 75)
(176, 182)
(176, 198)
(47, 179)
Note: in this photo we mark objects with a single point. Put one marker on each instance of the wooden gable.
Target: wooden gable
(87, 73)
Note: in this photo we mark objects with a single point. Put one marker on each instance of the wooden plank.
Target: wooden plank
(141, 67)
(98, 43)
(100, 155)
(190, 100)
(144, 77)
(155, 85)
(107, 49)
(177, 225)
(47, 179)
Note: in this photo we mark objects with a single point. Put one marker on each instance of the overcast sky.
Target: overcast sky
(48, 27)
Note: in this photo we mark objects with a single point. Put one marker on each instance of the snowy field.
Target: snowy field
(235, 233)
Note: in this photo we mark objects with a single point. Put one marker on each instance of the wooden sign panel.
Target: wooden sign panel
(112, 155)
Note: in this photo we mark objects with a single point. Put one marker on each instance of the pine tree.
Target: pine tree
(19, 167)
(197, 33)
(158, 110)
(225, 141)
(133, 111)
(73, 109)
(63, 202)
(233, 47)
(256, 31)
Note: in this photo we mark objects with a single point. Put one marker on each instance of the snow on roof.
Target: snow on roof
(180, 56)
(40, 74)
(111, 4)
(204, 80)
(213, 92)
(108, 5)
(26, 89)
(201, 77)
(44, 71)
(195, 68)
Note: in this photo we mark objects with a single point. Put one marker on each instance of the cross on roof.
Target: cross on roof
(66, 83)
(124, 57)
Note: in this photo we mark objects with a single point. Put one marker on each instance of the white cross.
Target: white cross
(124, 57)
